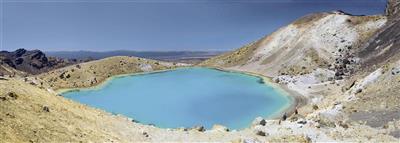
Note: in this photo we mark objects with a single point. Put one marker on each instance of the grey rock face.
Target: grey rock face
(33, 62)
(385, 44)
(392, 8)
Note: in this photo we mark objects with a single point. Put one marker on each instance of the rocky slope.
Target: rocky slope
(5, 69)
(392, 9)
(384, 45)
(347, 66)
(377, 81)
(30, 62)
(94, 72)
(314, 41)
(30, 113)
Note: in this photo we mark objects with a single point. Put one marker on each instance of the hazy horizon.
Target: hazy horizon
(133, 50)
(137, 25)
(112, 50)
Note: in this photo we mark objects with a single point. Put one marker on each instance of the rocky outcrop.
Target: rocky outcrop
(308, 54)
(385, 44)
(392, 8)
(5, 69)
(32, 62)
(321, 40)
(346, 66)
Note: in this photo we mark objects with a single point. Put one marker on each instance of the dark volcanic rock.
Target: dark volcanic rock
(376, 118)
(392, 8)
(388, 43)
(385, 44)
(33, 62)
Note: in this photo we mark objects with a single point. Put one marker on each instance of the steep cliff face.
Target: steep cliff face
(378, 78)
(385, 44)
(392, 8)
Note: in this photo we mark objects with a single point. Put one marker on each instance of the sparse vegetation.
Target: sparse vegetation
(331, 70)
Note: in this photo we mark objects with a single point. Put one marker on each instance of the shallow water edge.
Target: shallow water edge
(286, 109)
(296, 99)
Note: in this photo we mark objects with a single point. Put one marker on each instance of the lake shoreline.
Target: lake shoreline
(104, 82)
(297, 100)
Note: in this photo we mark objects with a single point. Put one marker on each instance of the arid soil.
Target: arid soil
(346, 69)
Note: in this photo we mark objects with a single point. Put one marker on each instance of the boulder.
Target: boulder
(260, 133)
(302, 122)
(217, 127)
(395, 70)
(259, 121)
(145, 134)
(46, 109)
(199, 128)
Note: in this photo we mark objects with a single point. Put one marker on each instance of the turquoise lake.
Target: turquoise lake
(186, 97)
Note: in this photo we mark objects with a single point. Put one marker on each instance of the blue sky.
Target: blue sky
(104, 25)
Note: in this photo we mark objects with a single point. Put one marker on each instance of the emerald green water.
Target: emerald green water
(187, 97)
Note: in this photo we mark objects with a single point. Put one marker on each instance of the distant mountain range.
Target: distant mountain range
(158, 55)
(36, 61)
(342, 73)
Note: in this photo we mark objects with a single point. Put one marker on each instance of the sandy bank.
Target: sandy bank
(298, 100)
